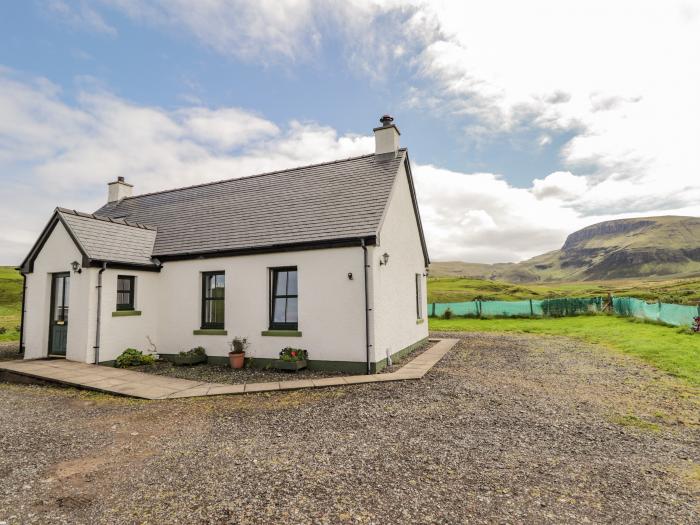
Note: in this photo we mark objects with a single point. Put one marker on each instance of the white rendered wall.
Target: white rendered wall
(393, 285)
(58, 253)
(331, 306)
(122, 332)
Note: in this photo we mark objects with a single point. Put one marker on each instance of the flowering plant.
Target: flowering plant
(293, 354)
(238, 345)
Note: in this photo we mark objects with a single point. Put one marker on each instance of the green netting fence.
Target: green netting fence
(672, 314)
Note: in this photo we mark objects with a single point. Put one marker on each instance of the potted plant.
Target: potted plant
(236, 356)
(291, 359)
(191, 357)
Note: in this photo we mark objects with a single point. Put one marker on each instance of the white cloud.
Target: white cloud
(621, 77)
(80, 15)
(479, 217)
(560, 184)
(250, 30)
(374, 33)
(226, 128)
(53, 154)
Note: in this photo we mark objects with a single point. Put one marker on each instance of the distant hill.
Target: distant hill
(648, 247)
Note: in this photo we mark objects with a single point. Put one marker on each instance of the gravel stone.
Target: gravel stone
(504, 429)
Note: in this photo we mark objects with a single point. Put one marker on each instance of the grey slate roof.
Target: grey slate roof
(116, 241)
(336, 200)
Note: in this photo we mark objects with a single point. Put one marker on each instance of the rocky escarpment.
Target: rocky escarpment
(633, 248)
(619, 227)
(667, 246)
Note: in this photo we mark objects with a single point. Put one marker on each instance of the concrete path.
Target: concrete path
(149, 386)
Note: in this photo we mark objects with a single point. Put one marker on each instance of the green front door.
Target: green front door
(58, 329)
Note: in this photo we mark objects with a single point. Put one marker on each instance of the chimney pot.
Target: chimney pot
(386, 120)
(120, 179)
(386, 138)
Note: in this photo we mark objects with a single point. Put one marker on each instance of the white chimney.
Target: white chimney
(386, 137)
(118, 190)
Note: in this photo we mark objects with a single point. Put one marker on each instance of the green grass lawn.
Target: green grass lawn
(664, 347)
(457, 289)
(10, 302)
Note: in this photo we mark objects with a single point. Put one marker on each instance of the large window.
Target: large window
(125, 292)
(284, 299)
(213, 300)
(419, 296)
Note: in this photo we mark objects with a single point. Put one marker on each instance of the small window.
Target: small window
(284, 299)
(419, 296)
(213, 300)
(125, 292)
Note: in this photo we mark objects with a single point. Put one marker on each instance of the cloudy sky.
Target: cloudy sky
(524, 120)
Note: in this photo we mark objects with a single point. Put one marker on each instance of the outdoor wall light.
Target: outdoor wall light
(76, 267)
(385, 259)
(350, 276)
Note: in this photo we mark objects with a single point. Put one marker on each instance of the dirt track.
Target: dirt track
(505, 428)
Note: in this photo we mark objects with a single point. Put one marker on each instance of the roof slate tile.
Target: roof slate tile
(336, 200)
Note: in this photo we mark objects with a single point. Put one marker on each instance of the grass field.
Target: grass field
(455, 289)
(663, 347)
(10, 302)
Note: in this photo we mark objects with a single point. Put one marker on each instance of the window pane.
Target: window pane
(292, 316)
(66, 294)
(213, 299)
(281, 283)
(123, 284)
(214, 312)
(292, 283)
(219, 312)
(208, 312)
(58, 299)
(214, 286)
(278, 313)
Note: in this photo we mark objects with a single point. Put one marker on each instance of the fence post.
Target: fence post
(433, 314)
(532, 311)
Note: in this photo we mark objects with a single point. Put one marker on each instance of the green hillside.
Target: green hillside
(10, 302)
(644, 248)
(455, 289)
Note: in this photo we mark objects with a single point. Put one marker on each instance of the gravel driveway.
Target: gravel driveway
(506, 428)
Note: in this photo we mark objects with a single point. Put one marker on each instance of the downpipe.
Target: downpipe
(367, 309)
(99, 313)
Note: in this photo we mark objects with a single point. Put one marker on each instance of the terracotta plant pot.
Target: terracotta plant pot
(236, 360)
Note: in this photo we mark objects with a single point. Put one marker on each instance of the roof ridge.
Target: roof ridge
(252, 176)
(123, 222)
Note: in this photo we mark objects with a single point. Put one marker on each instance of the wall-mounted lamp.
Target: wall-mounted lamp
(350, 276)
(385, 259)
(76, 267)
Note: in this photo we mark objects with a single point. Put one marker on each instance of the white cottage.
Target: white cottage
(330, 258)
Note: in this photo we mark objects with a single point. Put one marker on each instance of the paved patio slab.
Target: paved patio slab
(148, 386)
